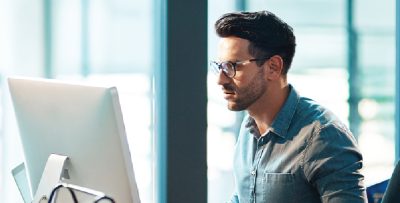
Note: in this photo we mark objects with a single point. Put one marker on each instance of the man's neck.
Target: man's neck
(267, 107)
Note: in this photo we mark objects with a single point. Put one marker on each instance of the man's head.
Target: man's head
(268, 35)
(255, 53)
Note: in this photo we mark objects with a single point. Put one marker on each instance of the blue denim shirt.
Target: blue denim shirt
(306, 156)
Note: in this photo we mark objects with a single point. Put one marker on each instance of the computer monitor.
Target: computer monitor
(79, 121)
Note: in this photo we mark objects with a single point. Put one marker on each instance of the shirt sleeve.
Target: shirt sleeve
(332, 164)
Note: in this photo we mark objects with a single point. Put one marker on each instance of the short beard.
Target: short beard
(248, 94)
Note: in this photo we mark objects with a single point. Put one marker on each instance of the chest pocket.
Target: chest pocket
(278, 187)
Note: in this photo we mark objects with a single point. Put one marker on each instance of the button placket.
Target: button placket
(253, 172)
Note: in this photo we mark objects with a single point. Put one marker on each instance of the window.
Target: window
(107, 42)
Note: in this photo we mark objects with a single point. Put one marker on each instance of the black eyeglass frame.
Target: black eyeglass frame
(224, 66)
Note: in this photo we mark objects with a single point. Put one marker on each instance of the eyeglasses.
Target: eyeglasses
(229, 67)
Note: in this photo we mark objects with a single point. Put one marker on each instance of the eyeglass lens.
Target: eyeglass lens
(226, 67)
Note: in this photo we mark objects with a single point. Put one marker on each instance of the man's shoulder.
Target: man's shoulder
(316, 117)
(311, 111)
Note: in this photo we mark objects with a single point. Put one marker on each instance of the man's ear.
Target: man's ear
(274, 67)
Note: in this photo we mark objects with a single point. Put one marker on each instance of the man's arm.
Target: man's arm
(332, 164)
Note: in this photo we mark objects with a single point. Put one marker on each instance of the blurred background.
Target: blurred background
(345, 60)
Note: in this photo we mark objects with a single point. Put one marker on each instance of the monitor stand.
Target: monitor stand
(53, 172)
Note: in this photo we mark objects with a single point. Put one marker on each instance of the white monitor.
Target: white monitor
(79, 121)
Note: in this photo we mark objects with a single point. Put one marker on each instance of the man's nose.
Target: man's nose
(222, 78)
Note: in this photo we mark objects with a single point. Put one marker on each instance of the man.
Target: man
(289, 148)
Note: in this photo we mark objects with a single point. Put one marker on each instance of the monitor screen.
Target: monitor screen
(79, 121)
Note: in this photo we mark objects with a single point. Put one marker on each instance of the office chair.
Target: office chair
(392, 193)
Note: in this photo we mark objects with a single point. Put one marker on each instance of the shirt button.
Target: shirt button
(253, 173)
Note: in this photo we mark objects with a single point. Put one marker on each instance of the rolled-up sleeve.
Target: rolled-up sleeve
(332, 164)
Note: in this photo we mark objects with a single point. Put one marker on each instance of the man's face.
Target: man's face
(249, 83)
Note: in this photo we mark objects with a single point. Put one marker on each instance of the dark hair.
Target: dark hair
(268, 35)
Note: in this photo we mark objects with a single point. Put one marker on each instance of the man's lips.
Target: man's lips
(228, 94)
(228, 90)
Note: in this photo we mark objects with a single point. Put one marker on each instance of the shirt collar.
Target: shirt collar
(282, 120)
